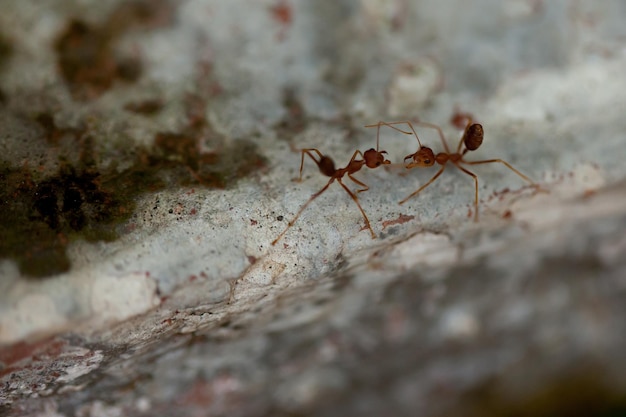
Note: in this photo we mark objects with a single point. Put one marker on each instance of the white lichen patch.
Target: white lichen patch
(569, 197)
(425, 249)
(459, 324)
(31, 314)
(413, 86)
(263, 272)
(116, 298)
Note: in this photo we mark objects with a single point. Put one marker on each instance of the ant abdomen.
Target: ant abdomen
(473, 137)
(327, 166)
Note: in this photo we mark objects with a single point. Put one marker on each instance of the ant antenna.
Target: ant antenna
(391, 125)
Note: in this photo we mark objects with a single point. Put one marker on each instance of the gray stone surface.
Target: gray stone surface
(191, 110)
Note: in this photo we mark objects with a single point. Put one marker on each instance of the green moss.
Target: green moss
(40, 219)
(6, 50)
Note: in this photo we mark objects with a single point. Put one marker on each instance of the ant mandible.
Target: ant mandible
(425, 157)
(371, 158)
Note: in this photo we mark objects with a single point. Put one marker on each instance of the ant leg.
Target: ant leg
(425, 185)
(489, 161)
(423, 124)
(378, 136)
(308, 152)
(381, 123)
(356, 200)
(509, 166)
(362, 184)
(467, 125)
(351, 167)
(354, 155)
(291, 223)
(439, 131)
(471, 174)
(391, 125)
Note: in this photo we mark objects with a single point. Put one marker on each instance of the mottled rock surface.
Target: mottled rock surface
(147, 151)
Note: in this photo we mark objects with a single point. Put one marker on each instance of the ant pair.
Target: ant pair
(424, 157)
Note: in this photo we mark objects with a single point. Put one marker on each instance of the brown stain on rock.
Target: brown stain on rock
(402, 218)
(69, 193)
(86, 53)
(44, 212)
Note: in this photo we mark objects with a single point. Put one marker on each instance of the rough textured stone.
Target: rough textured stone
(146, 158)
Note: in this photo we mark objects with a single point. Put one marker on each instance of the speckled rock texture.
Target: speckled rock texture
(147, 157)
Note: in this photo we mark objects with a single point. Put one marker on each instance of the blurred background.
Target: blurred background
(147, 152)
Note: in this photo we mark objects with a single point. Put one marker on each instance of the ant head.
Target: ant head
(424, 157)
(374, 159)
(473, 136)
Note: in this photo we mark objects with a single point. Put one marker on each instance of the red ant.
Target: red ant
(371, 158)
(425, 157)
